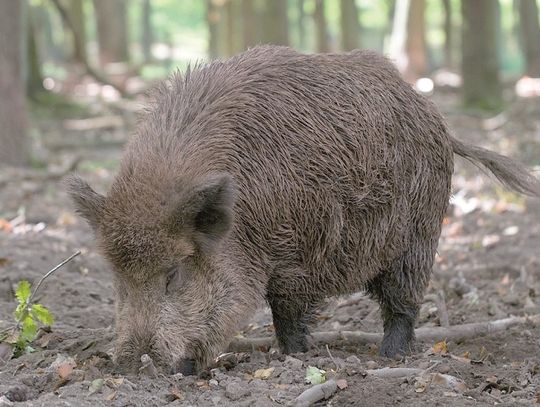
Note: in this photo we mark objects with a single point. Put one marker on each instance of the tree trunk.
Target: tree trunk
(34, 78)
(448, 43)
(147, 32)
(249, 36)
(321, 31)
(13, 143)
(415, 43)
(480, 63)
(276, 22)
(76, 15)
(350, 27)
(530, 36)
(213, 17)
(112, 34)
(230, 40)
(301, 25)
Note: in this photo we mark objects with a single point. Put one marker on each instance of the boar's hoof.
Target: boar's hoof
(188, 367)
(395, 347)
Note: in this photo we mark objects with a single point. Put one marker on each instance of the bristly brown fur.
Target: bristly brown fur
(282, 177)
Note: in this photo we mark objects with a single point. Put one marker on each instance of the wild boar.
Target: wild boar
(275, 177)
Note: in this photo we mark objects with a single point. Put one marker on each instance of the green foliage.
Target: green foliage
(315, 375)
(27, 315)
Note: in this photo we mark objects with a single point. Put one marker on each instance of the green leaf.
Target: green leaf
(42, 314)
(315, 375)
(96, 386)
(29, 329)
(20, 311)
(23, 291)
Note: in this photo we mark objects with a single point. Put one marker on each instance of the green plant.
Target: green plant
(28, 315)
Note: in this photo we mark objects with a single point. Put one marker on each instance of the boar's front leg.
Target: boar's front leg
(291, 319)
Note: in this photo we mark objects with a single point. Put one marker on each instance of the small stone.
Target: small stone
(353, 359)
(444, 369)
(4, 402)
(293, 363)
(371, 364)
(17, 393)
(213, 383)
(236, 391)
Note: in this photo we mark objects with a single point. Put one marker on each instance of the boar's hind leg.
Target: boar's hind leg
(291, 321)
(399, 290)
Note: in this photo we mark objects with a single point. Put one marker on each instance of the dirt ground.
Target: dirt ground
(488, 268)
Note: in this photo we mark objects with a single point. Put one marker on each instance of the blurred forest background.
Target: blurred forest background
(64, 55)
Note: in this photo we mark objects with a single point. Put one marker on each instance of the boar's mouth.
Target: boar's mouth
(188, 367)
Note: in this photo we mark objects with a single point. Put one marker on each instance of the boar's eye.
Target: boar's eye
(174, 279)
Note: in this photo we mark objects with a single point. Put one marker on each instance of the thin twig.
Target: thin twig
(29, 301)
(331, 357)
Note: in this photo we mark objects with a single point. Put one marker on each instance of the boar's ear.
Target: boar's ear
(88, 203)
(205, 213)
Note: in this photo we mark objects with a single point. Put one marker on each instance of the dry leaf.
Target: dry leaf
(111, 395)
(203, 384)
(66, 219)
(263, 373)
(492, 379)
(114, 382)
(64, 370)
(342, 384)
(440, 348)
(4, 261)
(506, 279)
(421, 384)
(5, 225)
(449, 381)
(538, 398)
(177, 393)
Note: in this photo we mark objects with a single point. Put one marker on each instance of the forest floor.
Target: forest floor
(488, 268)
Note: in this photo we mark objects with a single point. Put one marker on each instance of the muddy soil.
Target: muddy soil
(488, 268)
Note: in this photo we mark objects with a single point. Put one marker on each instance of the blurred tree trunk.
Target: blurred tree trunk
(147, 32)
(480, 63)
(230, 45)
(301, 25)
(415, 43)
(249, 37)
(76, 15)
(34, 79)
(213, 17)
(276, 22)
(350, 27)
(448, 43)
(112, 34)
(530, 36)
(321, 31)
(221, 22)
(13, 141)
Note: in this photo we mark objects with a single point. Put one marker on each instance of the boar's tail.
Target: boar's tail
(512, 174)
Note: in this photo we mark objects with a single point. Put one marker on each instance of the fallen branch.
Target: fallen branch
(315, 394)
(395, 372)
(432, 334)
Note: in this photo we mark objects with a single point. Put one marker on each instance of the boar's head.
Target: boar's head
(177, 294)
